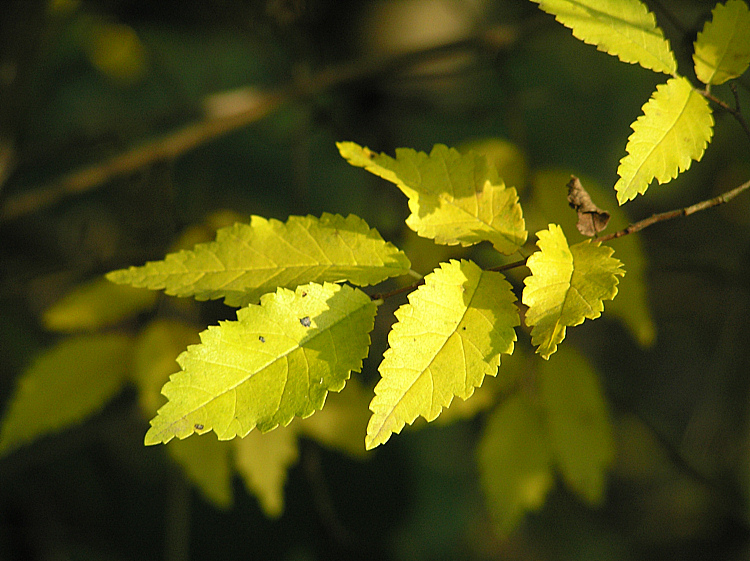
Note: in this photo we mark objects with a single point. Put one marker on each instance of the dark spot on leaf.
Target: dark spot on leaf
(198, 426)
(591, 219)
(261, 339)
(305, 321)
(463, 328)
(304, 294)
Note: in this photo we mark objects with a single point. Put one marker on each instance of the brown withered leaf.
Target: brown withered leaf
(591, 219)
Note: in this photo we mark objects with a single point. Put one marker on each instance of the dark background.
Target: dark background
(94, 492)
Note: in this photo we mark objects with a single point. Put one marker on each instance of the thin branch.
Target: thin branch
(735, 111)
(192, 136)
(669, 215)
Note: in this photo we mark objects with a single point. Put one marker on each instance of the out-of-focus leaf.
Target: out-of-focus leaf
(581, 434)
(515, 461)
(206, 462)
(65, 385)
(96, 304)
(263, 461)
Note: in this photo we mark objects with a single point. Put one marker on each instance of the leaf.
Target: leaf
(342, 424)
(447, 339)
(247, 261)
(277, 361)
(566, 286)
(453, 198)
(722, 49)
(631, 305)
(65, 385)
(155, 357)
(591, 219)
(675, 128)
(96, 304)
(515, 461)
(581, 434)
(263, 461)
(206, 462)
(623, 28)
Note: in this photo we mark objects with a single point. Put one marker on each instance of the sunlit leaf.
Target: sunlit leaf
(207, 464)
(515, 461)
(453, 198)
(65, 385)
(623, 28)
(547, 204)
(447, 339)
(722, 49)
(581, 434)
(263, 461)
(247, 261)
(96, 304)
(277, 361)
(566, 286)
(675, 128)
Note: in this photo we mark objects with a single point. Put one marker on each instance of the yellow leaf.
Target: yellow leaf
(722, 49)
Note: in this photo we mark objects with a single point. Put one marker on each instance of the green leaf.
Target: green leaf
(722, 49)
(447, 339)
(581, 434)
(263, 461)
(155, 357)
(247, 261)
(277, 361)
(623, 28)
(515, 461)
(675, 128)
(96, 304)
(566, 286)
(547, 204)
(453, 198)
(65, 385)
(342, 424)
(206, 462)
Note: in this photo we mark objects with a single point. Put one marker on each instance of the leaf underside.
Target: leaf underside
(454, 198)
(722, 49)
(248, 260)
(446, 340)
(566, 286)
(277, 361)
(674, 130)
(623, 28)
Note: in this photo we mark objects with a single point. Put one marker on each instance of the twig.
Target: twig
(735, 111)
(181, 141)
(669, 215)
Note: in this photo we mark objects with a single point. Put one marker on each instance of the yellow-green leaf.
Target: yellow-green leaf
(453, 198)
(247, 261)
(96, 304)
(580, 431)
(722, 49)
(277, 361)
(65, 385)
(446, 340)
(263, 461)
(206, 462)
(515, 461)
(155, 357)
(675, 128)
(566, 286)
(548, 203)
(623, 28)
